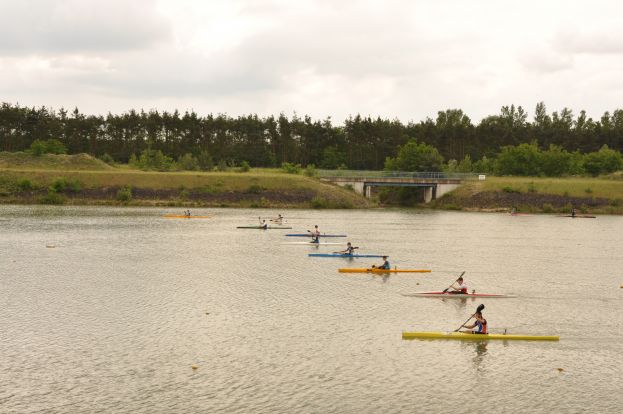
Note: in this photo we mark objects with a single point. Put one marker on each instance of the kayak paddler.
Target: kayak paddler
(277, 220)
(315, 233)
(349, 249)
(385, 264)
(458, 287)
(263, 224)
(479, 322)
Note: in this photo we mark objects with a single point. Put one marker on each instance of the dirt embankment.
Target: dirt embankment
(300, 198)
(527, 202)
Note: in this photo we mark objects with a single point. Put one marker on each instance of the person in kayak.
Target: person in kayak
(315, 233)
(187, 213)
(385, 264)
(479, 322)
(263, 224)
(573, 212)
(349, 249)
(458, 287)
(278, 220)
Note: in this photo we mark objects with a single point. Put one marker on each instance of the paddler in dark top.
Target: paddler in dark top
(263, 224)
(349, 249)
(480, 323)
(573, 212)
(385, 264)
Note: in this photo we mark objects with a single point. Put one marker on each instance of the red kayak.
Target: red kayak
(458, 295)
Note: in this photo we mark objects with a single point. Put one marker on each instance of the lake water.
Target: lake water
(111, 316)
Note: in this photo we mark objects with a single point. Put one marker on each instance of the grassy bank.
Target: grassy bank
(538, 195)
(81, 179)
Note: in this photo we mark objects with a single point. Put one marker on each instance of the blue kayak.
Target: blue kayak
(343, 255)
(309, 235)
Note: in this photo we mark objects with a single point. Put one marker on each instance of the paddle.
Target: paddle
(478, 309)
(457, 279)
(344, 251)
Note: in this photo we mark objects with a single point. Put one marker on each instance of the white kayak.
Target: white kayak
(458, 295)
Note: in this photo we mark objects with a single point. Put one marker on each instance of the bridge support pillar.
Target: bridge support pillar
(429, 194)
(367, 191)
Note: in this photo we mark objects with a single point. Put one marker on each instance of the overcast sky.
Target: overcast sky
(401, 59)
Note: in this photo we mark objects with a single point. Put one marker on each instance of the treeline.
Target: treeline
(360, 143)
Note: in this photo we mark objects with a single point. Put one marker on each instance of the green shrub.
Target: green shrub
(204, 161)
(222, 165)
(588, 190)
(62, 184)
(124, 194)
(184, 193)
(187, 162)
(107, 159)
(509, 189)
(310, 170)
(52, 197)
(244, 167)
(255, 189)
(615, 202)
(51, 146)
(25, 185)
(291, 168)
(319, 202)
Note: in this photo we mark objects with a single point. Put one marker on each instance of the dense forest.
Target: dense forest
(360, 143)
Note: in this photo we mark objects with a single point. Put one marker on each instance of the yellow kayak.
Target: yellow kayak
(475, 337)
(364, 270)
(183, 216)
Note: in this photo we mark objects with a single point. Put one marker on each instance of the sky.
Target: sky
(404, 59)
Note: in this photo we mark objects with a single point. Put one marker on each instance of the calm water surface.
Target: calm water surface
(112, 317)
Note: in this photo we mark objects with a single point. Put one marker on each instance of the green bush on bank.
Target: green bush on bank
(50, 146)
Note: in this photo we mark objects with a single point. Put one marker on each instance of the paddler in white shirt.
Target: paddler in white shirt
(263, 224)
(315, 233)
(458, 287)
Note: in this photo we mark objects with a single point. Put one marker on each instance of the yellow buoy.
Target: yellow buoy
(193, 366)
(560, 369)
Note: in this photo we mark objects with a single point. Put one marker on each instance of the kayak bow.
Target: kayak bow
(363, 270)
(476, 337)
(458, 295)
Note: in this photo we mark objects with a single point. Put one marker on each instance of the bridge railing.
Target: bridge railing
(396, 174)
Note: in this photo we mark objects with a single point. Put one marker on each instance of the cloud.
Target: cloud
(74, 26)
(595, 41)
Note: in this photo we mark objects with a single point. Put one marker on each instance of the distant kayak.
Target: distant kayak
(315, 244)
(176, 216)
(263, 228)
(347, 256)
(577, 216)
(476, 337)
(376, 270)
(310, 235)
(458, 295)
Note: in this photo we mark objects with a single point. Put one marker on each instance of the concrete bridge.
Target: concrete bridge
(433, 184)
